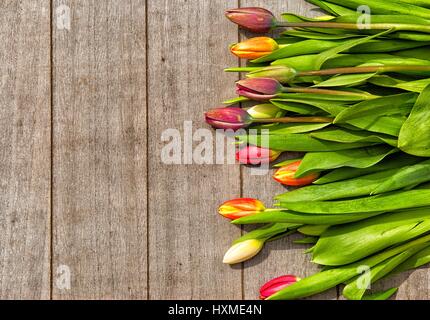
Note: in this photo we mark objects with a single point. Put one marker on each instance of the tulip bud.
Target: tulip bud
(254, 48)
(259, 89)
(239, 208)
(283, 74)
(256, 155)
(228, 118)
(276, 285)
(286, 176)
(254, 19)
(265, 111)
(243, 251)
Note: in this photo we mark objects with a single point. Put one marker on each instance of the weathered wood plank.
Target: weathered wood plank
(99, 187)
(25, 123)
(188, 49)
(283, 256)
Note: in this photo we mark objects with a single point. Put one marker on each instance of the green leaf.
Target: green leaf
(296, 142)
(386, 7)
(421, 258)
(397, 161)
(411, 36)
(329, 107)
(390, 125)
(407, 176)
(357, 187)
(319, 36)
(331, 8)
(353, 136)
(384, 106)
(384, 295)
(302, 218)
(298, 49)
(285, 163)
(356, 289)
(390, 82)
(345, 244)
(327, 279)
(313, 230)
(339, 97)
(385, 202)
(295, 107)
(267, 232)
(289, 128)
(326, 55)
(346, 80)
(236, 100)
(421, 3)
(415, 133)
(358, 158)
(389, 45)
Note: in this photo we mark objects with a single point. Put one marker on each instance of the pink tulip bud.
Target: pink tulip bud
(254, 19)
(228, 118)
(276, 285)
(255, 155)
(259, 89)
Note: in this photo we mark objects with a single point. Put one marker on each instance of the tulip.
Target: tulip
(239, 208)
(276, 285)
(228, 118)
(286, 176)
(283, 74)
(254, 19)
(265, 111)
(259, 89)
(243, 251)
(256, 155)
(236, 118)
(254, 48)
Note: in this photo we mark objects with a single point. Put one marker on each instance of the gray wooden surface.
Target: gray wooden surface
(87, 90)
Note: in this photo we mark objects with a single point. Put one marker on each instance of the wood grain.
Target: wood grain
(187, 50)
(25, 119)
(99, 150)
(283, 256)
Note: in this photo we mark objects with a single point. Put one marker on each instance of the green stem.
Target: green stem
(319, 91)
(296, 120)
(354, 26)
(369, 69)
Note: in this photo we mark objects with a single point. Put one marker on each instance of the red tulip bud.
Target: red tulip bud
(259, 89)
(277, 285)
(256, 155)
(254, 19)
(286, 176)
(239, 208)
(228, 118)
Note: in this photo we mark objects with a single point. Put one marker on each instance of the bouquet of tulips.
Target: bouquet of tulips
(352, 94)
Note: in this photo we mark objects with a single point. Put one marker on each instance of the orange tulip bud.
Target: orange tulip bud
(254, 48)
(239, 208)
(286, 176)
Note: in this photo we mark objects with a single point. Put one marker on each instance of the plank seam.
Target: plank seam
(147, 150)
(51, 217)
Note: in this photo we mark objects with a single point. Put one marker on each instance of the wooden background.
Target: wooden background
(82, 185)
